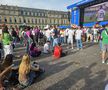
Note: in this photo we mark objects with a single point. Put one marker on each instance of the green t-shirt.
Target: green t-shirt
(6, 39)
(105, 36)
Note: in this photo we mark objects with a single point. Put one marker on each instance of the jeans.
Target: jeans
(62, 39)
(55, 42)
(28, 45)
(14, 40)
(79, 43)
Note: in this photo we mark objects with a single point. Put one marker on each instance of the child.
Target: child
(47, 48)
(58, 51)
(34, 51)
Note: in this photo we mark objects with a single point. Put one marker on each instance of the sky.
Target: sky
(41, 4)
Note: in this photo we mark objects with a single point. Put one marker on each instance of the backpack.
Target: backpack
(41, 35)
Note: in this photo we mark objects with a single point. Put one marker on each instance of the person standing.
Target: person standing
(14, 36)
(78, 35)
(66, 35)
(104, 43)
(7, 42)
(70, 37)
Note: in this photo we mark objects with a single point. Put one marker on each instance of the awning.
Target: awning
(103, 23)
(79, 3)
(91, 24)
(64, 27)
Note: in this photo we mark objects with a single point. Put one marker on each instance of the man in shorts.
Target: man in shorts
(104, 43)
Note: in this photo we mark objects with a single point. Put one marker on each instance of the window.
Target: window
(28, 20)
(36, 21)
(24, 20)
(21, 12)
(5, 19)
(43, 21)
(25, 13)
(29, 13)
(32, 21)
(19, 20)
(10, 19)
(15, 20)
(0, 19)
(46, 21)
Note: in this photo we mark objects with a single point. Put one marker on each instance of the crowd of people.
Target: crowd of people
(47, 41)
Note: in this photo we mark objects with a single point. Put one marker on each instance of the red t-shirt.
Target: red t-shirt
(57, 52)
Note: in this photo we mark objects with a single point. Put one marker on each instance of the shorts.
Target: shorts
(70, 40)
(105, 47)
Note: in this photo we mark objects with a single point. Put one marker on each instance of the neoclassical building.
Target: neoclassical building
(16, 16)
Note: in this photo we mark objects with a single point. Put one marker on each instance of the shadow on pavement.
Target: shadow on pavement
(91, 82)
(51, 69)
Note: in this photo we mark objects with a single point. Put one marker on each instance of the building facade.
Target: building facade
(16, 16)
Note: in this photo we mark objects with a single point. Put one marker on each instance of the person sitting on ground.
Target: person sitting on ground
(2, 76)
(58, 52)
(34, 51)
(5, 69)
(27, 72)
(47, 47)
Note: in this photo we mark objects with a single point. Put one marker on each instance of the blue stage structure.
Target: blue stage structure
(77, 11)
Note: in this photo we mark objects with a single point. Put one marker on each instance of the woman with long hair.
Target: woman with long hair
(27, 71)
(24, 70)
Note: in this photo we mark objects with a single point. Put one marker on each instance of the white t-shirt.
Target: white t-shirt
(78, 34)
(66, 32)
(0, 31)
(70, 33)
(101, 14)
(48, 33)
(46, 48)
(95, 31)
(33, 32)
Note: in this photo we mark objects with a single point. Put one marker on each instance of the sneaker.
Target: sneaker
(103, 61)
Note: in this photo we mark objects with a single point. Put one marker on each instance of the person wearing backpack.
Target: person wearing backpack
(104, 43)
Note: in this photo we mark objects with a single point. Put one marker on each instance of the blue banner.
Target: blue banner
(75, 16)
